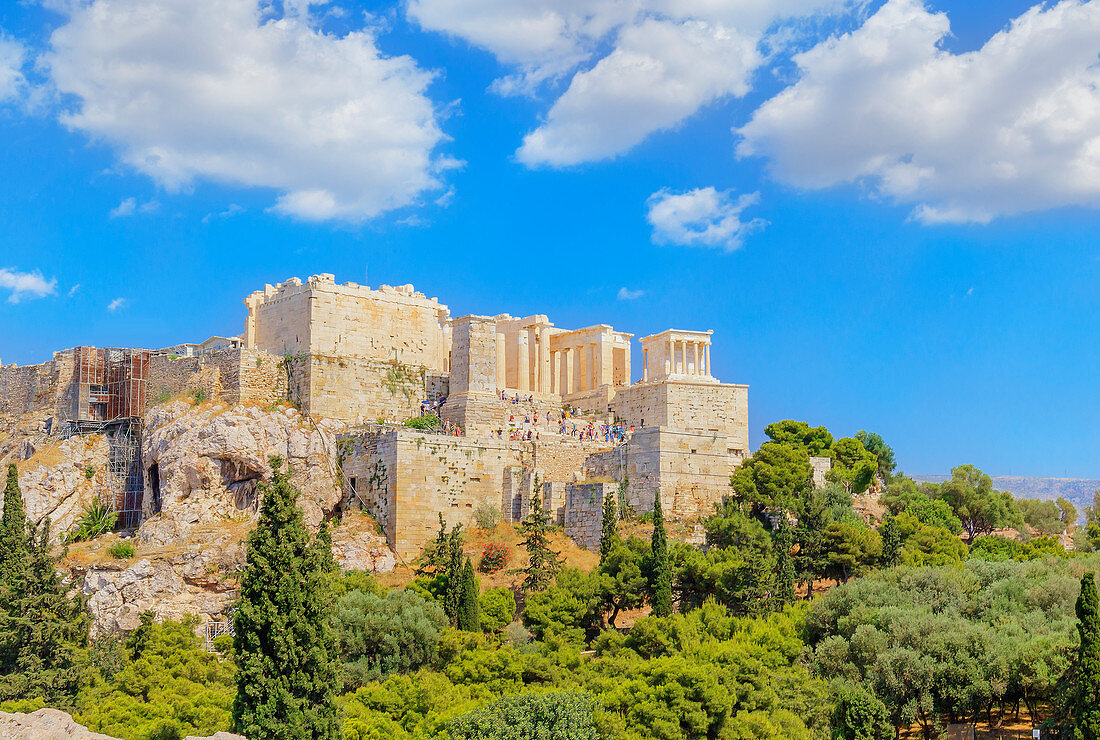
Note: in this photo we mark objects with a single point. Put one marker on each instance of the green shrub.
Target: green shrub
(498, 609)
(427, 422)
(487, 516)
(89, 472)
(381, 635)
(96, 519)
(198, 395)
(356, 580)
(160, 397)
(566, 715)
(122, 550)
(223, 645)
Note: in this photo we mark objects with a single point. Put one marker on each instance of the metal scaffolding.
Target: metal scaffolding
(109, 399)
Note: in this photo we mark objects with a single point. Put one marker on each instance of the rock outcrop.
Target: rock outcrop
(59, 478)
(205, 464)
(53, 724)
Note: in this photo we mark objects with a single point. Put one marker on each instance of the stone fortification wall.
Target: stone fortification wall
(722, 408)
(820, 466)
(319, 317)
(44, 389)
(237, 375)
(584, 512)
(689, 470)
(405, 478)
(359, 391)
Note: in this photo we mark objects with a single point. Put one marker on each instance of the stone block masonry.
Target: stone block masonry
(584, 512)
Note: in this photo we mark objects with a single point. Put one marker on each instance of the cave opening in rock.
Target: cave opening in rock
(242, 482)
(154, 486)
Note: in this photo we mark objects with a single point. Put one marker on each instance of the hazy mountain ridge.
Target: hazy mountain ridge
(1079, 491)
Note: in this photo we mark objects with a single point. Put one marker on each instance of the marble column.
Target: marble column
(544, 360)
(671, 356)
(695, 349)
(567, 371)
(706, 349)
(523, 368)
(502, 375)
(645, 366)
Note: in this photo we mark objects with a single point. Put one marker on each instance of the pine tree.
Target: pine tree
(43, 632)
(543, 563)
(782, 544)
(891, 541)
(437, 553)
(609, 534)
(660, 586)
(14, 542)
(287, 663)
(452, 593)
(1086, 701)
(469, 613)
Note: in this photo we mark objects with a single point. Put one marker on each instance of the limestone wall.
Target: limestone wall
(236, 375)
(319, 317)
(720, 408)
(360, 390)
(584, 512)
(45, 388)
(690, 470)
(406, 478)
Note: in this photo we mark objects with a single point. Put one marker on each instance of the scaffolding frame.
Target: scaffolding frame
(109, 399)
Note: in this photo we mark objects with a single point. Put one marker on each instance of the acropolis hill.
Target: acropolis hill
(324, 374)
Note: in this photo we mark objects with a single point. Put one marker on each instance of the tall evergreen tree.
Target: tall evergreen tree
(543, 563)
(452, 594)
(1086, 701)
(14, 542)
(660, 585)
(782, 544)
(43, 632)
(287, 662)
(609, 534)
(891, 541)
(469, 613)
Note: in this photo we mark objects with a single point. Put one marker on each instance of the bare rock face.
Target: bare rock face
(196, 581)
(356, 549)
(53, 724)
(205, 464)
(59, 478)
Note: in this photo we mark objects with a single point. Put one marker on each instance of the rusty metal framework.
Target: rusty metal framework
(109, 399)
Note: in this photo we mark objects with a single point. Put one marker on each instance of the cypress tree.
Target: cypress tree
(891, 541)
(660, 585)
(1086, 701)
(452, 594)
(782, 544)
(14, 542)
(287, 662)
(43, 632)
(469, 614)
(609, 533)
(543, 563)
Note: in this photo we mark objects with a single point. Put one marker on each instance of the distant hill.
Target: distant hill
(1079, 491)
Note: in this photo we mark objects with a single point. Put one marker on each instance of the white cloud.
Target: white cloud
(625, 294)
(644, 65)
(229, 212)
(73, 290)
(130, 206)
(12, 58)
(703, 217)
(26, 284)
(659, 74)
(1011, 127)
(222, 90)
(116, 304)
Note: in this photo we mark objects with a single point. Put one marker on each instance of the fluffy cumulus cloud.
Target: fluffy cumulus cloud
(1011, 127)
(704, 217)
(626, 294)
(634, 67)
(12, 58)
(224, 90)
(24, 285)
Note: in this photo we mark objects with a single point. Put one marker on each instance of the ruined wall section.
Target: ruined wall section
(584, 512)
(238, 375)
(358, 390)
(43, 390)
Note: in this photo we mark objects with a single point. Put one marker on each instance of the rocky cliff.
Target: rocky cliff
(52, 724)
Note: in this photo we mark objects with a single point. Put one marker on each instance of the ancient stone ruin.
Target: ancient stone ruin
(324, 375)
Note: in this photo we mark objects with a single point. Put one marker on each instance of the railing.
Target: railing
(214, 630)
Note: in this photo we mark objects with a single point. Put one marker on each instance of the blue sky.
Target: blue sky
(895, 230)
